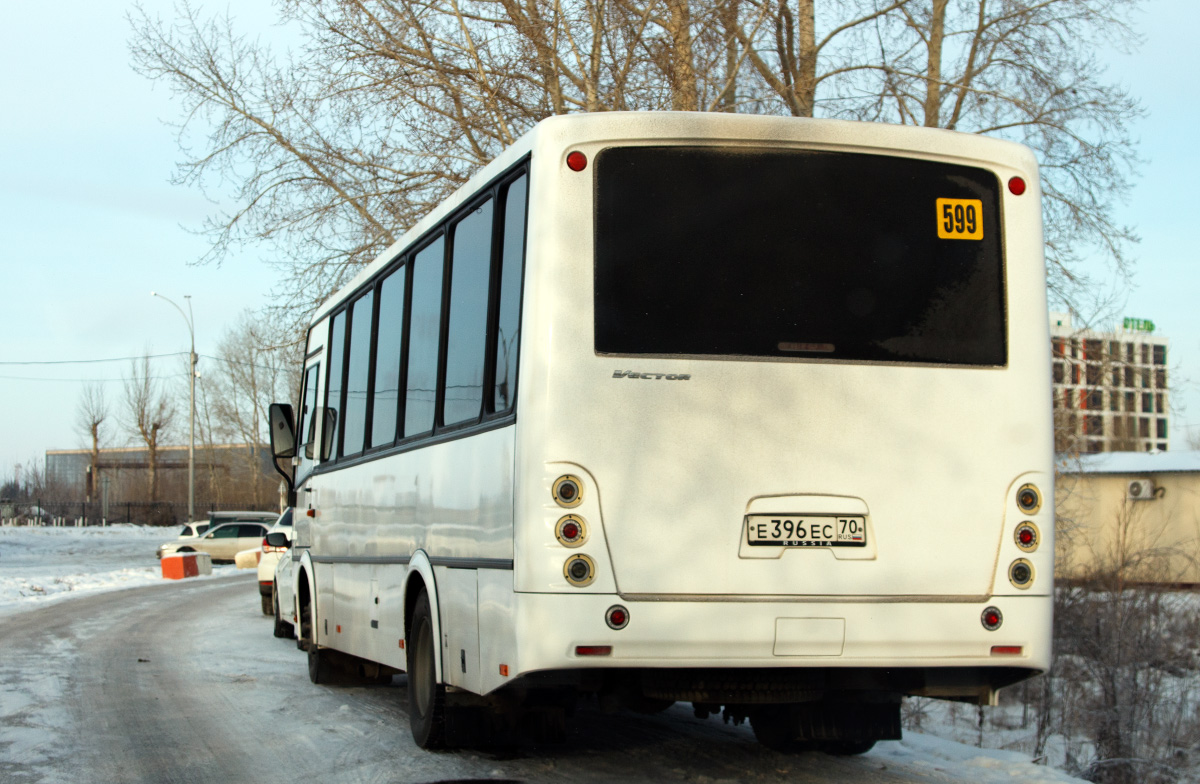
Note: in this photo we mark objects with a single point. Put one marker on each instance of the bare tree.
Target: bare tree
(250, 372)
(149, 414)
(91, 413)
(386, 106)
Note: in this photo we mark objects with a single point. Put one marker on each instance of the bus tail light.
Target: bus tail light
(1016, 186)
(576, 161)
(580, 570)
(570, 531)
(991, 618)
(593, 650)
(1027, 536)
(1020, 573)
(617, 617)
(1007, 650)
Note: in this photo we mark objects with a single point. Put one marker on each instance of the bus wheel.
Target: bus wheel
(775, 727)
(267, 607)
(320, 664)
(426, 697)
(283, 629)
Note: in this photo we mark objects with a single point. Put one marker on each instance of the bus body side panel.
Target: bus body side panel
(451, 500)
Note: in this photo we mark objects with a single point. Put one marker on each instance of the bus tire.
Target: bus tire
(267, 607)
(320, 661)
(775, 728)
(426, 697)
(283, 629)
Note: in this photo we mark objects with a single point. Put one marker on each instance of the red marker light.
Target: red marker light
(576, 161)
(570, 531)
(1016, 185)
(1007, 650)
(1026, 536)
(617, 617)
(593, 650)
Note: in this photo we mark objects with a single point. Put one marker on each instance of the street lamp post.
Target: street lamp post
(190, 321)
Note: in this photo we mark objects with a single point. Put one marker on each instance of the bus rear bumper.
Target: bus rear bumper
(568, 632)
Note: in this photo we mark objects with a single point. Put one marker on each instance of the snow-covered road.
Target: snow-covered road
(183, 682)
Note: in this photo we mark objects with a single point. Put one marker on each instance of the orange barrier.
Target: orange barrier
(177, 566)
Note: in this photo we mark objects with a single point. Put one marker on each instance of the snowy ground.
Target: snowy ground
(40, 565)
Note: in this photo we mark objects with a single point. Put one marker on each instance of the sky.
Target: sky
(91, 224)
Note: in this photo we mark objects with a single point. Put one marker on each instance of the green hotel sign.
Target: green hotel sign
(1138, 325)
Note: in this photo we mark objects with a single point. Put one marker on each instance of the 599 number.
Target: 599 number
(960, 219)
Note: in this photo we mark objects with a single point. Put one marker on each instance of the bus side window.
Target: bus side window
(358, 364)
(466, 338)
(307, 421)
(390, 338)
(509, 324)
(424, 329)
(333, 384)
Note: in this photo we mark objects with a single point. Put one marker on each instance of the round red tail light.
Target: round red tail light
(1016, 185)
(1027, 537)
(617, 617)
(991, 618)
(570, 531)
(576, 161)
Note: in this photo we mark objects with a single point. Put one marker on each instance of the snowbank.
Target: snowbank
(44, 564)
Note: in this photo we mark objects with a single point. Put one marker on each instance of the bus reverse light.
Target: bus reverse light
(991, 618)
(580, 570)
(1020, 573)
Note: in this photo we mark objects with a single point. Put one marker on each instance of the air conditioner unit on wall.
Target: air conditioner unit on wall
(1140, 490)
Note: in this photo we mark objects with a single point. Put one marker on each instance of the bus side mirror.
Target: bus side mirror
(277, 539)
(283, 430)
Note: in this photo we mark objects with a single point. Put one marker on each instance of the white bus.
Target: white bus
(747, 412)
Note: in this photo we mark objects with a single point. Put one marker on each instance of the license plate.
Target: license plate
(806, 531)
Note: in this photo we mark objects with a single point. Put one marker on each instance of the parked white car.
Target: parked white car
(193, 529)
(248, 559)
(271, 553)
(222, 542)
(283, 602)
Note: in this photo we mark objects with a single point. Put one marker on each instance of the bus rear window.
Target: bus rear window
(789, 253)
